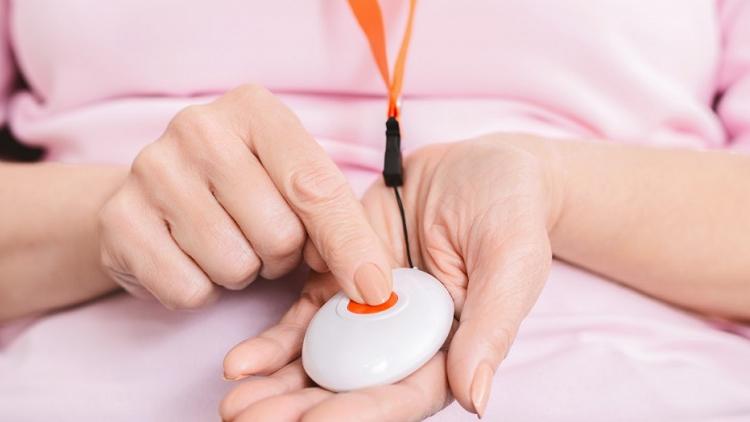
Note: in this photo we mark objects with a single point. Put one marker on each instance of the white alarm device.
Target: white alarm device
(349, 346)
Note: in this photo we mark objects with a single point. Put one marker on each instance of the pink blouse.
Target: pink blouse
(103, 78)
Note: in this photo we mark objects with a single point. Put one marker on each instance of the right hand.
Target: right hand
(232, 190)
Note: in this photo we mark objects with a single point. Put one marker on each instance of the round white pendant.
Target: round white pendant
(349, 346)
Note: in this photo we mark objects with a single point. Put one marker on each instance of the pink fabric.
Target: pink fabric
(6, 63)
(105, 77)
(734, 73)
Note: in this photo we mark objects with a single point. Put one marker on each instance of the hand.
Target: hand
(230, 191)
(479, 213)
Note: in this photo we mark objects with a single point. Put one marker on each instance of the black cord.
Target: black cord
(393, 172)
(403, 225)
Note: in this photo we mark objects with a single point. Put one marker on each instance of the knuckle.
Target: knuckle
(194, 122)
(287, 240)
(252, 104)
(200, 134)
(152, 161)
(273, 270)
(316, 184)
(190, 116)
(195, 296)
(252, 93)
(237, 272)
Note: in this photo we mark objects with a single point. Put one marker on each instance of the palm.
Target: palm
(288, 394)
(489, 230)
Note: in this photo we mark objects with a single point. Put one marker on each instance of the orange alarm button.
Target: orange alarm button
(359, 308)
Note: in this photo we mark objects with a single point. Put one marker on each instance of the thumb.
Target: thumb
(505, 278)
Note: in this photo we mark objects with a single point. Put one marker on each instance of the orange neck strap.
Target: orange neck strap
(370, 19)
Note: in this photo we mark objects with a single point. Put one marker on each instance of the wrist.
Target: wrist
(548, 156)
(54, 221)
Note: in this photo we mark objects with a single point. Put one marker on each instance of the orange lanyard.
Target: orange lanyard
(370, 19)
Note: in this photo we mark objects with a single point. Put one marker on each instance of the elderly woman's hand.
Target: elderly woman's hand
(479, 212)
(232, 190)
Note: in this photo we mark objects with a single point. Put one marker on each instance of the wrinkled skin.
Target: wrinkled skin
(479, 212)
(244, 170)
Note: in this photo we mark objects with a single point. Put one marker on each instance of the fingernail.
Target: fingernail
(235, 378)
(480, 388)
(372, 284)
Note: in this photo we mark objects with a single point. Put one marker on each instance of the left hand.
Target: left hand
(479, 212)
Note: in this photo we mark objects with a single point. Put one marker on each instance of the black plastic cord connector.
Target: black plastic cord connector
(393, 172)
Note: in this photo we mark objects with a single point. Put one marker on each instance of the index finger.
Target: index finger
(317, 191)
